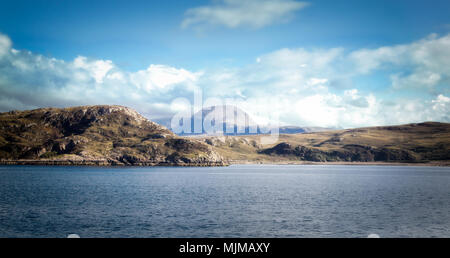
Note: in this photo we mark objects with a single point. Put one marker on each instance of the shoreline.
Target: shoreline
(103, 163)
(443, 163)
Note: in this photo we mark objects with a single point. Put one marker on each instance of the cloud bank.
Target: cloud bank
(237, 13)
(307, 87)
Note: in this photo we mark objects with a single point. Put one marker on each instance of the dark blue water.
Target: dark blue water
(236, 201)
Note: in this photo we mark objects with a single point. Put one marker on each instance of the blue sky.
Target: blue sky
(354, 51)
(134, 33)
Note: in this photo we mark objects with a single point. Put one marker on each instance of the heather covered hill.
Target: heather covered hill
(95, 135)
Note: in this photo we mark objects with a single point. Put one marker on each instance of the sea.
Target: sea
(270, 201)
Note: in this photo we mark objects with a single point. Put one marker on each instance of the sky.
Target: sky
(330, 63)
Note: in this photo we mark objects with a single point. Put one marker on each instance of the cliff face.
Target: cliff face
(95, 135)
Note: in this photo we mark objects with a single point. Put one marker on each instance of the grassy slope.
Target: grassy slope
(425, 141)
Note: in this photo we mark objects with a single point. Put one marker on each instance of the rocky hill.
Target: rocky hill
(95, 135)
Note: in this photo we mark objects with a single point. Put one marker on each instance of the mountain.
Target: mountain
(95, 135)
(413, 143)
(235, 122)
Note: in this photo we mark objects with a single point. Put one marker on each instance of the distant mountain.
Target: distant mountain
(95, 135)
(237, 122)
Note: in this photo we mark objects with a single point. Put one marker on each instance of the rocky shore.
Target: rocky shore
(106, 163)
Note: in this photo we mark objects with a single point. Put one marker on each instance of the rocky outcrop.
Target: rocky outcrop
(354, 153)
(96, 135)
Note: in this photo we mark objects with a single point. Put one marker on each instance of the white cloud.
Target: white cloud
(5, 44)
(418, 79)
(162, 76)
(97, 68)
(423, 64)
(441, 106)
(29, 80)
(236, 13)
(306, 85)
(318, 81)
(299, 70)
(300, 86)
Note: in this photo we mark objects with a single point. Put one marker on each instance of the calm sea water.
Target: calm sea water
(236, 201)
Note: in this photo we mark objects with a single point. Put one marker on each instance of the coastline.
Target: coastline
(344, 163)
(105, 163)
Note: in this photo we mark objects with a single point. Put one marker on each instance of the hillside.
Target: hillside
(412, 143)
(95, 135)
(116, 135)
